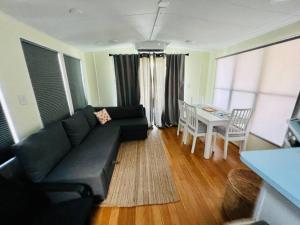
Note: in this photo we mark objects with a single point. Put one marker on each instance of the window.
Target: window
(266, 79)
(6, 138)
(46, 79)
(73, 69)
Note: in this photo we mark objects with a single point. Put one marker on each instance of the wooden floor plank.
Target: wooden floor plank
(114, 216)
(200, 184)
(103, 216)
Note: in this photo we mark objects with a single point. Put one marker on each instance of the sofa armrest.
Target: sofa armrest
(82, 189)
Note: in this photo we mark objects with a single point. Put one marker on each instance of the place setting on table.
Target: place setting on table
(214, 111)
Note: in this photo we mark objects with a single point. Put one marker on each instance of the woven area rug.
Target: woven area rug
(143, 176)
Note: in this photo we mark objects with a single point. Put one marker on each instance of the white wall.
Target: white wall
(14, 76)
(91, 80)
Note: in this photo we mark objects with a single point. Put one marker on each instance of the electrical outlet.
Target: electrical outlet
(22, 100)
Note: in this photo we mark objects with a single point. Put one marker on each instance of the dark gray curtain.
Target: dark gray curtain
(126, 71)
(174, 88)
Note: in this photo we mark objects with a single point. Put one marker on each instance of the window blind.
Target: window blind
(74, 75)
(46, 78)
(6, 138)
(266, 80)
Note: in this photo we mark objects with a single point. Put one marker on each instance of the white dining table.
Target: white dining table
(211, 119)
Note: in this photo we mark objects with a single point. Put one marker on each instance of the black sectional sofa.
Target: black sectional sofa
(79, 149)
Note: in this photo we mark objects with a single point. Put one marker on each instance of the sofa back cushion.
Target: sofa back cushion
(41, 152)
(76, 127)
(88, 112)
(125, 112)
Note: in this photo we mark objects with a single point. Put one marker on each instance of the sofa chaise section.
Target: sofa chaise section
(131, 120)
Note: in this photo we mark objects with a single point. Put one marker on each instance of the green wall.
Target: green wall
(104, 69)
(195, 73)
(196, 69)
(14, 77)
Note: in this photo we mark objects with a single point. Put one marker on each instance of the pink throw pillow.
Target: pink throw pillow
(103, 116)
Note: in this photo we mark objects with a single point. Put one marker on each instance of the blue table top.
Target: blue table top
(280, 168)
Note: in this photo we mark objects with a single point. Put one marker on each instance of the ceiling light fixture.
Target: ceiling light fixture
(190, 42)
(75, 11)
(114, 41)
(278, 1)
(99, 42)
(163, 4)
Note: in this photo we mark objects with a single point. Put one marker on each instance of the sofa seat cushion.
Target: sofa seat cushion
(88, 112)
(131, 129)
(76, 127)
(42, 151)
(91, 161)
(222, 130)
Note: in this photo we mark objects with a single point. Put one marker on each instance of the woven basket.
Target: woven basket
(241, 192)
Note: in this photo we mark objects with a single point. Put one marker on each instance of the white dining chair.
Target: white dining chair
(237, 129)
(194, 126)
(182, 117)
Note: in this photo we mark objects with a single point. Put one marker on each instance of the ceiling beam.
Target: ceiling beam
(162, 4)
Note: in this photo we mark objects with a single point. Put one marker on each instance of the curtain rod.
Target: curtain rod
(186, 54)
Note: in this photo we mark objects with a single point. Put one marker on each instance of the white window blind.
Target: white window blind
(225, 72)
(268, 80)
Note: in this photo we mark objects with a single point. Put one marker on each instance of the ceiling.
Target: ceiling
(194, 24)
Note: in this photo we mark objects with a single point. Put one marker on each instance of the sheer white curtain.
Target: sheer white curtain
(159, 78)
(152, 76)
(146, 87)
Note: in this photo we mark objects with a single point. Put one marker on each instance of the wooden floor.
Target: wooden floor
(200, 184)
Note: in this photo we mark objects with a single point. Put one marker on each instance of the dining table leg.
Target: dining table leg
(208, 139)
